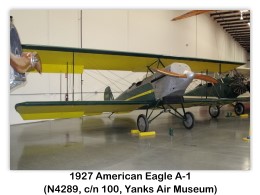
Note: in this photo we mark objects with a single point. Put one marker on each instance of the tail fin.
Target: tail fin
(108, 95)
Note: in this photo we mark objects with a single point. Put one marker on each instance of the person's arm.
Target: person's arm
(20, 64)
(25, 62)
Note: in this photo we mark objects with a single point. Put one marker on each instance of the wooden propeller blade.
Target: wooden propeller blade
(190, 14)
(173, 74)
(205, 78)
(197, 76)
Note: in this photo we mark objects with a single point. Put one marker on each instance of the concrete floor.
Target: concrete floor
(100, 143)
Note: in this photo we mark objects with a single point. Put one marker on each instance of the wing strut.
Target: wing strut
(159, 62)
(67, 76)
(73, 72)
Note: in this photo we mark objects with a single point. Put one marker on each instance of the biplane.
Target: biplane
(229, 89)
(167, 78)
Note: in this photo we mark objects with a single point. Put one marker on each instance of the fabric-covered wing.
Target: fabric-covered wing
(198, 101)
(65, 59)
(73, 109)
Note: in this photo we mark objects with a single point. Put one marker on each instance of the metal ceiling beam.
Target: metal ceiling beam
(240, 36)
(244, 43)
(236, 26)
(246, 46)
(239, 31)
(232, 20)
(224, 12)
(247, 33)
(240, 22)
(232, 16)
(242, 39)
(239, 39)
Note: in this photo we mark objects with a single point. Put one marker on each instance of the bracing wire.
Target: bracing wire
(110, 80)
(122, 78)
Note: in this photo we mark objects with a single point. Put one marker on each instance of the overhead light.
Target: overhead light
(242, 12)
(241, 15)
(248, 23)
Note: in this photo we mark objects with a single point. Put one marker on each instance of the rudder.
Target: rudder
(108, 95)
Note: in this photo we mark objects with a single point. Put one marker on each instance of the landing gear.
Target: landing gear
(214, 111)
(239, 108)
(142, 123)
(166, 106)
(188, 120)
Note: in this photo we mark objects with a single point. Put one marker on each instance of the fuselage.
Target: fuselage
(158, 86)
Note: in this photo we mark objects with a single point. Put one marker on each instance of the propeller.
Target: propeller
(197, 76)
(190, 14)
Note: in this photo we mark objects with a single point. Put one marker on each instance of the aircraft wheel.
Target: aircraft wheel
(188, 120)
(214, 111)
(239, 108)
(142, 123)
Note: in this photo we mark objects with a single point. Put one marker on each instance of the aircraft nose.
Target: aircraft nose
(190, 75)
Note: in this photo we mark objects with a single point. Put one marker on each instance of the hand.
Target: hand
(20, 64)
(26, 62)
(34, 59)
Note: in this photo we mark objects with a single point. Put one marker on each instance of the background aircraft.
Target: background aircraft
(226, 91)
(163, 90)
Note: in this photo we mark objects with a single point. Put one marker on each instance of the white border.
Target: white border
(32, 182)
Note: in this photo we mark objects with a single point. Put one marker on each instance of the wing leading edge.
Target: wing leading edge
(66, 59)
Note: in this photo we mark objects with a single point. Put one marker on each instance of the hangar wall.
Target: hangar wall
(148, 31)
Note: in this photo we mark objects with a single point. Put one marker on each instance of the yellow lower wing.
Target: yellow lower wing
(55, 110)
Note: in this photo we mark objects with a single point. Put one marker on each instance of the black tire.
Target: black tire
(239, 108)
(188, 120)
(214, 111)
(142, 123)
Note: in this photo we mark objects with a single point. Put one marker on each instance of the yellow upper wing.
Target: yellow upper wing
(65, 59)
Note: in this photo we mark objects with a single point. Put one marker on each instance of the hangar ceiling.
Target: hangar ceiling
(236, 23)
